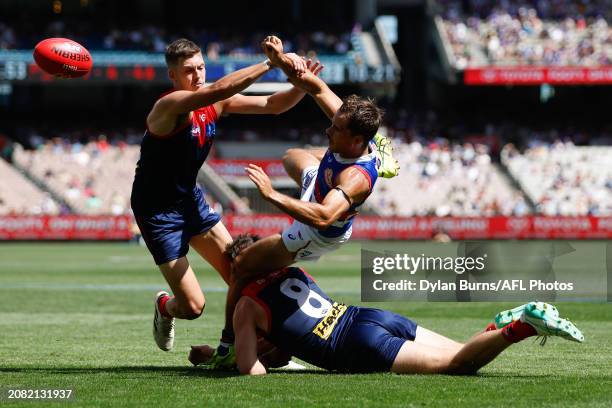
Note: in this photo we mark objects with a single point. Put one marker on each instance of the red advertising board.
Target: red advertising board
(74, 227)
(527, 75)
(368, 227)
(235, 168)
(67, 227)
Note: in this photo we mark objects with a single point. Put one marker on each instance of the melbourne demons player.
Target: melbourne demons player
(168, 206)
(289, 309)
(334, 184)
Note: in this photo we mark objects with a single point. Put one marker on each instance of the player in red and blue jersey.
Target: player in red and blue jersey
(169, 207)
(289, 309)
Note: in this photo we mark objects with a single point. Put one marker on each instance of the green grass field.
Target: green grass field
(78, 316)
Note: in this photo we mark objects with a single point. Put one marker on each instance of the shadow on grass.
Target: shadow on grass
(142, 370)
(204, 372)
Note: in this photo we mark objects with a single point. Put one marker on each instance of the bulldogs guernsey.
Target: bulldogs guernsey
(168, 167)
(302, 319)
(331, 165)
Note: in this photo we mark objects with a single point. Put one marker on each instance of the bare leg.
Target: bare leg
(211, 246)
(296, 160)
(430, 338)
(419, 358)
(188, 301)
(479, 351)
(266, 255)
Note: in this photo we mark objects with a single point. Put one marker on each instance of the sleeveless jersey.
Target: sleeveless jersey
(331, 165)
(168, 167)
(303, 320)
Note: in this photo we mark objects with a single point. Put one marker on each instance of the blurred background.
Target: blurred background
(498, 111)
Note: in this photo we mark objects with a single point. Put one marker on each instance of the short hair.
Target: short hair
(364, 117)
(238, 245)
(179, 49)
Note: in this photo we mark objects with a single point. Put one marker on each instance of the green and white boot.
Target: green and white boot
(535, 314)
(225, 361)
(502, 319)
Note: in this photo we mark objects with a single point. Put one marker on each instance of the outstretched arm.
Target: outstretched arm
(276, 103)
(245, 330)
(162, 118)
(327, 100)
(352, 186)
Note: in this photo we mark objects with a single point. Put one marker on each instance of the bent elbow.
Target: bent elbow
(323, 223)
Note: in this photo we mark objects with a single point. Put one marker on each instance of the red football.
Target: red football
(62, 57)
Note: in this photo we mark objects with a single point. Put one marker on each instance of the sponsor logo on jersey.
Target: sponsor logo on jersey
(326, 326)
(329, 173)
(308, 179)
(305, 253)
(203, 117)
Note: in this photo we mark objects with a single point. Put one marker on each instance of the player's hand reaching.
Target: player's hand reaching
(261, 180)
(314, 66)
(290, 63)
(272, 46)
(200, 354)
(298, 63)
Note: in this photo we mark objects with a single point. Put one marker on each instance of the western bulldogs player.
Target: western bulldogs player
(293, 313)
(335, 183)
(168, 206)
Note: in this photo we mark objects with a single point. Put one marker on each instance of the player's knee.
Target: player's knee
(289, 157)
(194, 309)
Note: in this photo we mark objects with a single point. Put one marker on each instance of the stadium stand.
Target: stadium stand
(444, 177)
(447, 179)
(152, 38)
(95, 178)
(544, 32)
(563, 179)
(18, 195)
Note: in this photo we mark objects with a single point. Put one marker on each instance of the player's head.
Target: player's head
(353, 126)
(239, 244)
(185, 63)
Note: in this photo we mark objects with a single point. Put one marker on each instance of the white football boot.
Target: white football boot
(163, 327)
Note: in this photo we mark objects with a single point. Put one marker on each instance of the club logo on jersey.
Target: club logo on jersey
(203, 117)
(329, 174)
(326, 326)
(195, 131)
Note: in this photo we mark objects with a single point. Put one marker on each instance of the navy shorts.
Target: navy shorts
(167, 233)
(374, 340)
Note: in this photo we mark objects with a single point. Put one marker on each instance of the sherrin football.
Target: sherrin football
(62, 57)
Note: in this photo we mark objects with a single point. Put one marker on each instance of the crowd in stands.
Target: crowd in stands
(153, 38)
(529, 32)
(92, 178)
(446, 179)
(18, 195)
(564, 179)
(92, 172)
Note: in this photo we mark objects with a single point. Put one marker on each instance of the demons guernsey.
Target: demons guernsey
(168, 166)
(302, 320)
